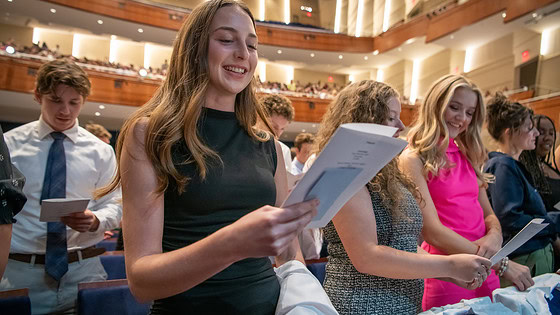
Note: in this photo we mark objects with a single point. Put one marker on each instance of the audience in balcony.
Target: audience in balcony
(311, 89)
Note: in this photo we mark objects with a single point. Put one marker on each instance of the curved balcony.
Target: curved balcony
(433, 25)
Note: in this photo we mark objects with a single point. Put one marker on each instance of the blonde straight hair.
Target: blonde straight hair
(175, 109)
(429, 136)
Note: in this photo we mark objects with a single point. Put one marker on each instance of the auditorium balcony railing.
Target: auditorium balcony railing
(433, 25)
(18, 75)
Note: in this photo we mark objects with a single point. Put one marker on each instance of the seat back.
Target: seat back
(318, 269)
(15, 302)
(114, 265)
(108, 244)
(109, 297)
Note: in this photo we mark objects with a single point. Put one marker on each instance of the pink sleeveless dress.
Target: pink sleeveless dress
(455, 195)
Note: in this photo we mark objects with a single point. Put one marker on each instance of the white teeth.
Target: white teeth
(235, 69)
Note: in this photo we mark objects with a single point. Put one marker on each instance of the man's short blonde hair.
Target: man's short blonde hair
(275, 104)
(98, 130)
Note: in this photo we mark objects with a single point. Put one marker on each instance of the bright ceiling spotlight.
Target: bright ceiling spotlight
(143, 72)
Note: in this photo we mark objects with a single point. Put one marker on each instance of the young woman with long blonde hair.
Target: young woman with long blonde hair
(193, 168)
(444, 159)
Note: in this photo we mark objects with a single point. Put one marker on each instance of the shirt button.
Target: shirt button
(15, 182)
(1, 157)
(2, 192)
(4, 203)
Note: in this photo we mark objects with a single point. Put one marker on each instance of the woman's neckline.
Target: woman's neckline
(218, 113)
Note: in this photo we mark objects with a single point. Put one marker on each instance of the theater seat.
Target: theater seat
(109, 244)
(15, 302)
(318, 270)
(113, 262)
(109, 297)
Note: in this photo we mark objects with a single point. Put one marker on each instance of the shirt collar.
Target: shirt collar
(43, 130)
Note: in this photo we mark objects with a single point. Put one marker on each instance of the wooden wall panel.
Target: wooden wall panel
(549, 107)
(463, 15)
(130, 11)
(518, 8)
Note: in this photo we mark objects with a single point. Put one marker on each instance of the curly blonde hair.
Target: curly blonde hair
(429, 137)
(366, 102)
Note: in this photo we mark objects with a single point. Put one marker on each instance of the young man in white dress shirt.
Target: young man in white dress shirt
(43, 150)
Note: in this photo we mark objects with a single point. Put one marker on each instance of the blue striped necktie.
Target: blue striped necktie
(54, 186)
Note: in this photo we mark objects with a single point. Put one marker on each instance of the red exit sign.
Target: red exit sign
(525, 56)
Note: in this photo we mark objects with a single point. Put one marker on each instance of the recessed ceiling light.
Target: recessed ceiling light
(140, 30)
(143, 72)
(97, 114)
(53, 10)
(535, 15)
(340, 57)
(9, 0)
(376, 52)
(279, 51)
(410, 41)
(101, 106)
(452, 36)
(400, 49)
(302, 130)
(365, 57)
(504, 15)
(99, 22)
(314, 125)
(113, 37)
(10, 50)
(312, 55)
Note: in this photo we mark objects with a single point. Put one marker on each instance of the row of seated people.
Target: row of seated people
(192, 239)
(44, 53)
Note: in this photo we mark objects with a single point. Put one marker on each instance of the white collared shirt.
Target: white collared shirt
(90, 164)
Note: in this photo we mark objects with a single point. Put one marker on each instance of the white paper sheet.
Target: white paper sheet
(530, 230)
(53, 209)
(364, 148)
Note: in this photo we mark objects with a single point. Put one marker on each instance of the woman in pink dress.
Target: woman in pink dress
(444, 159)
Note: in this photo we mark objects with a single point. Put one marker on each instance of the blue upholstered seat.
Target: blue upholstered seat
(114, 266)
(113, 297)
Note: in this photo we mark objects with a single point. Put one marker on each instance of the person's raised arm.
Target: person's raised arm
(356, 226)
(433, 231)
(152, 274)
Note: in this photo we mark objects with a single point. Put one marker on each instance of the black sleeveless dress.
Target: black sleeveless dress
(242, 182)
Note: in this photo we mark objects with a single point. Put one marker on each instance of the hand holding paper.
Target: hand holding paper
(354, 154)
(53, 209)
(530, 230)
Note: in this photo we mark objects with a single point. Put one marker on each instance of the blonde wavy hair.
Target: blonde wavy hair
(175, 109)
(366, 102)
(429, 136)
